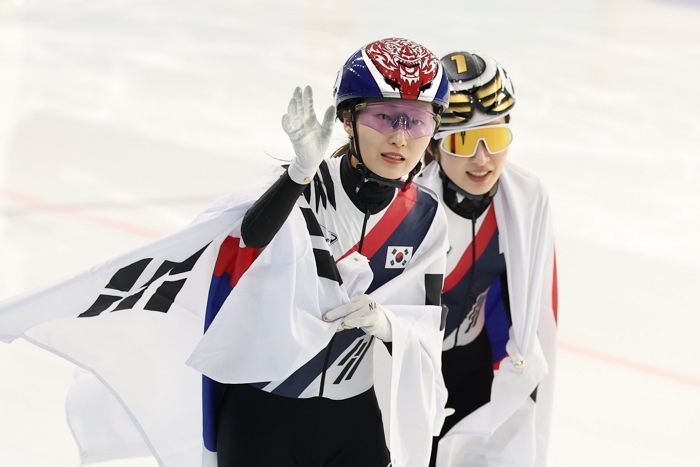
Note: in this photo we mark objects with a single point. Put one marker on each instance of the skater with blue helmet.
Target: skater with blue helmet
(384, 241)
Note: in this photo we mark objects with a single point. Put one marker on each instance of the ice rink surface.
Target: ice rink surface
(120, 120)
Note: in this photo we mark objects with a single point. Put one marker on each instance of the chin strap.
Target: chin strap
(474, 202)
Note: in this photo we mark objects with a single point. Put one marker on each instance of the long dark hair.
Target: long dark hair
(342, 150)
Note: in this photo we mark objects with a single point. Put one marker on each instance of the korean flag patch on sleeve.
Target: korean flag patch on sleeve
(397, 257)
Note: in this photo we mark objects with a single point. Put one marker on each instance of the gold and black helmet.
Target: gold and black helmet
(480, 91)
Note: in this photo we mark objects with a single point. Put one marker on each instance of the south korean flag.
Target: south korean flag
(397, 257)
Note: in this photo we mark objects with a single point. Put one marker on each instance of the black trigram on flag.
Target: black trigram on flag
(120, 296)
(325, 264)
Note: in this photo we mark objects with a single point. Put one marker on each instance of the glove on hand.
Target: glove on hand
(309, 137)
(513, 352)
(364, 313)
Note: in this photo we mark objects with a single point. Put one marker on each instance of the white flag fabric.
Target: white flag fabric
(97, 437)
(135, 324)
(136, 353)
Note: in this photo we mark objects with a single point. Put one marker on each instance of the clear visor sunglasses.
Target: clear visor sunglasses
(389, 117)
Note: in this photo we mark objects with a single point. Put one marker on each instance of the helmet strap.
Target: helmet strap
(474, 203)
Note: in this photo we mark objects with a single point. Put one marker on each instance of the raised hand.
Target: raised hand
(309, 138)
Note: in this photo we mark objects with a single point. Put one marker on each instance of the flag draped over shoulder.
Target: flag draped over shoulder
(269, 343)
(136, 325)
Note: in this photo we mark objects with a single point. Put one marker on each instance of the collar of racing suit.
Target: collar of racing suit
(371, 196)
(462, 203)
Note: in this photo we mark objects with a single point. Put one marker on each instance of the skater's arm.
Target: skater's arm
(310, 139)
(266, 216)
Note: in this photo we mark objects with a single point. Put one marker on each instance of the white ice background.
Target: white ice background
(120, 119)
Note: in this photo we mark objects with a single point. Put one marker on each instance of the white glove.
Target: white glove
(364, 313)
(309, 137)
(512, 350)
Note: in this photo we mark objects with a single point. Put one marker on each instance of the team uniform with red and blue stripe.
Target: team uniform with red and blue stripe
(387, 226)
(500, 282)
(478, 318)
